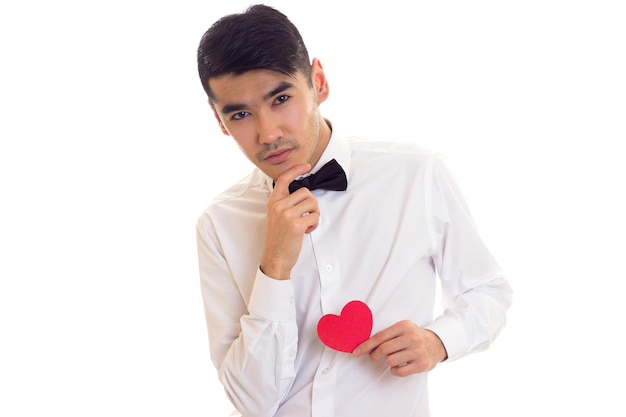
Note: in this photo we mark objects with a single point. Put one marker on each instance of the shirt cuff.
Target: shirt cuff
(452, 335)
(272, 299)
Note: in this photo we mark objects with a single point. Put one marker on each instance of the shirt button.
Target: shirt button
(325, 371)
(329, 268)
(291, 299)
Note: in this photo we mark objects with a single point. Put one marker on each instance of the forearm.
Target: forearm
(251, 326)
(475, 293)
(472, 320)
(257, 366)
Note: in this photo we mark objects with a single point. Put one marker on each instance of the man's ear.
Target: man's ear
(219, 119)
(320, 83)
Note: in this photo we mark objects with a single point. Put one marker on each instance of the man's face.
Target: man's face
(274, 118)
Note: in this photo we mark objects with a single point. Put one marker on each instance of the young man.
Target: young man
(275, 258)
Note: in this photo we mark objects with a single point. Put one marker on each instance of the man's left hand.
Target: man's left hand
(407, 348)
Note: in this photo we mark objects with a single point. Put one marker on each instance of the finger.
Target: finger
(388, 349)
(304, 202)
(398, 329)
(376, 340)
(306, 211)
(409, 362)
(401, 358)
(281, 185)
(314, 222)
(406, 370)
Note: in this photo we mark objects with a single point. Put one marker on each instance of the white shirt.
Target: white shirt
(399, 226)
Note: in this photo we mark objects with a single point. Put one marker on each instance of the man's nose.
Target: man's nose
(268, 127)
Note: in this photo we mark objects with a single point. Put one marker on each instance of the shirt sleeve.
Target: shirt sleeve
(253, 341)
(475, 292)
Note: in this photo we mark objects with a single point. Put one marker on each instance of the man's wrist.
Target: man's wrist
(443, 353)
(275, 272)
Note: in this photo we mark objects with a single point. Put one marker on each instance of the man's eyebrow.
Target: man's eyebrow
(229, 108)
(281, 87)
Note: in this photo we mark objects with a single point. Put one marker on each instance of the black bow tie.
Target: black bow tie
(330, 177)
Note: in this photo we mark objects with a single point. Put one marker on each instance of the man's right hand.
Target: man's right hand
(289, 218)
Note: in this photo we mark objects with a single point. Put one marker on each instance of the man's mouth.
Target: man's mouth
(278, 157)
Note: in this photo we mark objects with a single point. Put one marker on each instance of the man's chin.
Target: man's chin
(275, 171)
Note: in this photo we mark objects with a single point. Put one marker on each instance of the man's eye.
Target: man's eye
(239, 115)
(281, 99)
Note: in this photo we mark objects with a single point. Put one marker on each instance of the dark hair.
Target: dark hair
(259, 38)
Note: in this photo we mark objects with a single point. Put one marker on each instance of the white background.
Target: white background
(109, 153)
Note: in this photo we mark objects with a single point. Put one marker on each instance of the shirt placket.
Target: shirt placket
(327, 261)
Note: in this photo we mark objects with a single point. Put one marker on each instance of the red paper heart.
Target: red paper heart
(345, 332)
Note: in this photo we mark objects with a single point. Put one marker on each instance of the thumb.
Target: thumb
(281, 185)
